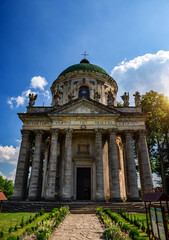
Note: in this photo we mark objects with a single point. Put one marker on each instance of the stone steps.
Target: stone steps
(75, 207)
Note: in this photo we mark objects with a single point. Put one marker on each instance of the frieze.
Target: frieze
(75, 122)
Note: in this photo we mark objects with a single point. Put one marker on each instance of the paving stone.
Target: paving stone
(79, 227)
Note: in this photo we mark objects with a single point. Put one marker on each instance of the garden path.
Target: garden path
(79, 227)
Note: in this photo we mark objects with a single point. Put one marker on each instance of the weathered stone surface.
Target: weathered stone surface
(51, 191)
(20, 186)
(113, 166)
(144, 162)
(79, 227)
(34, 191)
(131, 167)
(99, 166)
(67, 181)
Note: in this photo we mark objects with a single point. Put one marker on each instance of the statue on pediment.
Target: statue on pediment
(110, 99)
(137, 99)
(125, 99)
(71, 96)
(96, 96)
(32, 99)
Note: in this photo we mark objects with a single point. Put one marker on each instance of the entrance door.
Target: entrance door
(83, 191)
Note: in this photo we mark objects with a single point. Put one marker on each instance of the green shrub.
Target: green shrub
(12, 238)
(42, 211)
(98, 210)
(111, 215)
(15, 228)
(134, 233)
(22, 224)
(125, 227)
(143, 228)
(10, 229)
(1, 234)
(43, 234)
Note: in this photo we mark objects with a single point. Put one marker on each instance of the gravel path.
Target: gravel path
(79, 227)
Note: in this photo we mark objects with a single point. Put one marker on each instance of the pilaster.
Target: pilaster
(99, 165)
(20, 186)
(113, 167)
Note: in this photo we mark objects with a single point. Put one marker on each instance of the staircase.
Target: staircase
(75, 207)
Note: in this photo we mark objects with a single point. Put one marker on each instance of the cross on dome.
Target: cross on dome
(85, 54)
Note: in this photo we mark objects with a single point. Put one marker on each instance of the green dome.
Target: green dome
(83, 65)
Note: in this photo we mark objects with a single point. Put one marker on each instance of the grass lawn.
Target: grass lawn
(11, 219)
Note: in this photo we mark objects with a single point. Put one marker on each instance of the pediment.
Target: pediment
(83, 106)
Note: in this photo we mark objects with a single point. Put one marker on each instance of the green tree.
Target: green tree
(157, 107)
(7, 187)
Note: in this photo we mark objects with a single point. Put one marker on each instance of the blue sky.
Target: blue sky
(129, 39)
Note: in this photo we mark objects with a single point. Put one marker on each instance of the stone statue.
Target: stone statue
(96, 96)
(56, 98)
(137, 99)
(70, 97)
(32, 99)
(110, 99)
(125, 98)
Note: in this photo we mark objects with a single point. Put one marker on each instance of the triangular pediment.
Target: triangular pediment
(83, 106)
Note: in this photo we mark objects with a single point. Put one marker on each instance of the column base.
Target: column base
(115, 200)
(18, 199)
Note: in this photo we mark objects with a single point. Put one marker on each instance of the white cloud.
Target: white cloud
(20, 100)
(38, 82)
(143, 73)
(12, 175)
(9, 154)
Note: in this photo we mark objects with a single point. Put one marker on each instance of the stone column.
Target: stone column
(99, 166)
(67, 181)
(36, 172)
(20, 187)
(144, 162)
(53, 162)
(131, 167)
(113, 167)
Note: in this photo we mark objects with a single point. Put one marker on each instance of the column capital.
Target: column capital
(54, 131)
(98, 132)
(142, 132)
(112, 131)
(69, 132)
(25, 132)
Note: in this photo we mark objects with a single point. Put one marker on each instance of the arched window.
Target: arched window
(84, 92)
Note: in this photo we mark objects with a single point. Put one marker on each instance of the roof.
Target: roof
(155, 197)
(84, 65)
(2, 196)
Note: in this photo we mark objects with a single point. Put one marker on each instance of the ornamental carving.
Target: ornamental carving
(110, 99)
(96, 96)
(125, 99)
(69, 132)
(32, 99)
(98, 132)
(137, 99)
(57, 98)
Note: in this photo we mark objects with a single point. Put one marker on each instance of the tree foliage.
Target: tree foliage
(157, 107)
(7, 187)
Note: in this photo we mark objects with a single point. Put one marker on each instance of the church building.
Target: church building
(82, 146)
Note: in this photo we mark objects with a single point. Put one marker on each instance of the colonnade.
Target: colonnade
(52, 192)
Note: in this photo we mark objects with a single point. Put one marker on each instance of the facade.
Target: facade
(81, 147)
